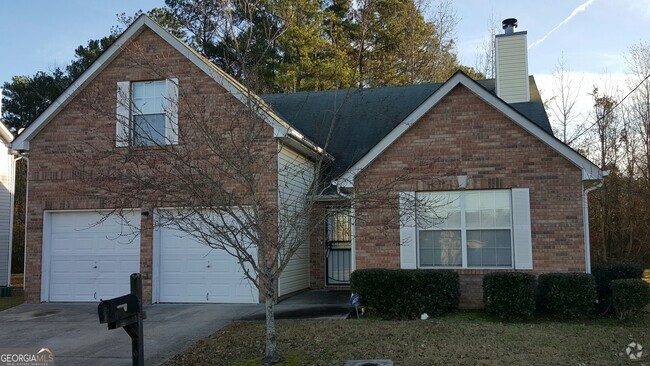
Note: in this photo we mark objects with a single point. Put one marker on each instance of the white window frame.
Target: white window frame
(463, 232)
(125, 124)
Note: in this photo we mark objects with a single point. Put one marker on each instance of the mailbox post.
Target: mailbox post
(126, 312)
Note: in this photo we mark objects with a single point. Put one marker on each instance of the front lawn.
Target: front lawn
(11, 301)
(463, 338)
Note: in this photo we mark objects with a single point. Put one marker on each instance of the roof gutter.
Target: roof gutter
(304, 145)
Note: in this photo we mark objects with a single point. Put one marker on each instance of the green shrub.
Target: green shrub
(406, 293)
(629, 295)
(566, 295)
(604, 274)
(509, 295)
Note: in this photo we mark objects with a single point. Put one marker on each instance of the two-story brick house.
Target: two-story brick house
(512, 196)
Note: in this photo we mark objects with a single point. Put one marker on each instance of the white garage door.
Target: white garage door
(193, 272)
(90, 256)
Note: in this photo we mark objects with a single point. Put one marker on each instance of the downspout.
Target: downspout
(585, 218)
(12, 182)
(21, 155)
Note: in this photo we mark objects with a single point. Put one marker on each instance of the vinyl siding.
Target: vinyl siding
(512, 68)
(295, 176)
(6, 190)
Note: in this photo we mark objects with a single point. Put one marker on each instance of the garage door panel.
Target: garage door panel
(63, 265)
(89, 261)
(193, 272)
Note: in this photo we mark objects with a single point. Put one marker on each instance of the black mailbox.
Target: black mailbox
(126, 312)
(119, 311)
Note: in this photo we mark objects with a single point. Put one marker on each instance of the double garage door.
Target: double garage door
(88, 256)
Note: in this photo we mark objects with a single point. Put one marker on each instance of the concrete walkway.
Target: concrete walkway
(313, 304)
(73, 333)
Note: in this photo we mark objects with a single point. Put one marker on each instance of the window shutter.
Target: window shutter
(171, 111)
(523, 243)
(407, 231)
(123, 116)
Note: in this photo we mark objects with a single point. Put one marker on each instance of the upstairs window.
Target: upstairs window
(147, 113)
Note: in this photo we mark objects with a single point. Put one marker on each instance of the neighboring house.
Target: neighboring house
(513, 196)
(6, 203)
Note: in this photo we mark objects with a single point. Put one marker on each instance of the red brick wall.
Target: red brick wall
(462, 135)
(84, 131)
(317, 246)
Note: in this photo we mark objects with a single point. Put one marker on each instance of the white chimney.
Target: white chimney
(512, 64)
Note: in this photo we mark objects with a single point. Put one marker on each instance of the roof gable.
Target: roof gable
(589, 170)
(281, 128)
(348, 123)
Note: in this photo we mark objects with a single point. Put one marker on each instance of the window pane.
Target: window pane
(426, 248)
(438, 209)
(504, 257)
(441, 248)
(149, 130)
(487, 209)
(502, 217)
(472, 210)
(489, 248)
(149, 97)
(339, 228)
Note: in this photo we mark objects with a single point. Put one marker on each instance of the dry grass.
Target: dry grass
(464, 338)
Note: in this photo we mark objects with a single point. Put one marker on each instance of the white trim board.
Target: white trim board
(5, 133)
(280, 127)
(589, 170)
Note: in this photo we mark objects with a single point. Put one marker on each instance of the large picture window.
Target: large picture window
(464, 229)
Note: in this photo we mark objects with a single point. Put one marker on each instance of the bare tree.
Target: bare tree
(605, 127)
(638, 63)
(486, 55)
(219, 168)
(606, 136)
(566, 91)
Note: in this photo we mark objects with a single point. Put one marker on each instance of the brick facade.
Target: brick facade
(463, 135)
(84, 130)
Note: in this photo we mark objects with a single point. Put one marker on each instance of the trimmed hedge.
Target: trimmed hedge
(604, 274)
(509, 295)
(629, 295)
(566, 295)
(406, 293)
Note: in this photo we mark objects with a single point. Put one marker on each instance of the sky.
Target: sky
(592, 35)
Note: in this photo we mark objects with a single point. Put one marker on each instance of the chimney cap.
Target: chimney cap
(510, 22)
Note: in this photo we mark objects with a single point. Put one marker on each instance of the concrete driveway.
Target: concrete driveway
(73, 333)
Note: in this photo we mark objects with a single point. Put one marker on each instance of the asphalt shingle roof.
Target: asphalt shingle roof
(362, 117)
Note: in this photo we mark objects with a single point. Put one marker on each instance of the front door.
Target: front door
(338, 246)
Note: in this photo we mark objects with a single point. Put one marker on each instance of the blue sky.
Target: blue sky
(41, 34)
